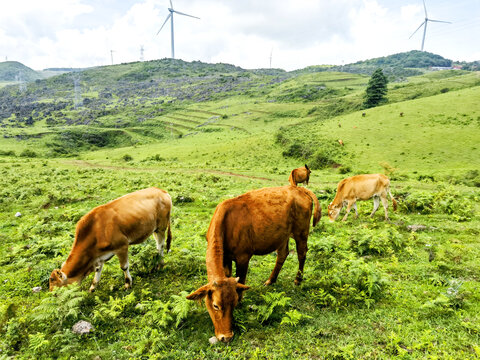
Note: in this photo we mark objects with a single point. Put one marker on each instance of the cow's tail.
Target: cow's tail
(291, 179)
(394, 202)
(169, 236)
(317, 212)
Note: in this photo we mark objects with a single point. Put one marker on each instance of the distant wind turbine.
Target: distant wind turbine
(424, 24)
(170, 16)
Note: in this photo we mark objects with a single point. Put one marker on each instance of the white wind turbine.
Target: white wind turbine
(424, 24)
(170, 16)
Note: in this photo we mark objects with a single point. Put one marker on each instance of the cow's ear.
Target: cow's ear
(306, 167)
(242, 287)
(200, 293)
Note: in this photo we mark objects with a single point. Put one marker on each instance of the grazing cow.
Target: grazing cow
(401, 114)
(361, 187)
(109, 229)
(255, 223)
(299, 176)
(340, 141)
(364, 114)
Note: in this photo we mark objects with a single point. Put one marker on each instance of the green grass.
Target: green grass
(372, 289)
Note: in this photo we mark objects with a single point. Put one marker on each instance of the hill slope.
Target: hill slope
(15, 71)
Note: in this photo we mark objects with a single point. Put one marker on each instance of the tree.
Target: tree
(376, 89)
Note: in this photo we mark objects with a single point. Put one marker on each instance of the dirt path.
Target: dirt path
(84, 163)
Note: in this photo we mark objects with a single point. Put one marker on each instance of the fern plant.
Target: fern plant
(181, 307)
(112, 309)
(37, 342)
(62, 305)
(158, 314)
(293, 318)
(273, 301)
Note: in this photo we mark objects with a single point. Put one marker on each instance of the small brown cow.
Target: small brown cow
(299, 176)
(361, 187)
(256, 223)
(110, 229)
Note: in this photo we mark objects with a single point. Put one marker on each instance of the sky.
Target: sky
(286, 34)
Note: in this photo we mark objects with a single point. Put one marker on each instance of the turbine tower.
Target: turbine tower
(170, 16)
(424, 24)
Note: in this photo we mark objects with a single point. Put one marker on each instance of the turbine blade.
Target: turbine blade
(180, 13)
(424, 7)
(447, 22)
(168, 17)
(171, 5)
(417, 29)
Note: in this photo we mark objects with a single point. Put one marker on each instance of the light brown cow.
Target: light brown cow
(256, 223)
(110, 229)
(300, 175)
(361, 187)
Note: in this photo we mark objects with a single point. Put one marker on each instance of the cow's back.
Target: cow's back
(362, 187)
(258, 221)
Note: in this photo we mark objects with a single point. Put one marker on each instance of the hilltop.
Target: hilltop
(15, 71)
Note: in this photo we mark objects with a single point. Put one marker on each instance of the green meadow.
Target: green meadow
(407, 288)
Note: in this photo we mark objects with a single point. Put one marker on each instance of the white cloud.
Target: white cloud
(81, 33)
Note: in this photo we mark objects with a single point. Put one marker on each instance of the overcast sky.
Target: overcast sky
(295, 33)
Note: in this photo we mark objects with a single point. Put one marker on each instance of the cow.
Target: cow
(255, 223)
(361, 187)
(340, 141)
(299, 176)
(110, 229)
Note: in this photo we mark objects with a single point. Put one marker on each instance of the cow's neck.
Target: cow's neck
(76, 265)
(214, 259)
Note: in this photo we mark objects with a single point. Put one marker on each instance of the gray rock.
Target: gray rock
(213, 340)
(37, 289)
(82, 327)
(18, 214)
(416, 228)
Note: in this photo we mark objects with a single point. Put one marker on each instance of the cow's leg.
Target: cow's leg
(376, 204)
(125, 265)
(302, 248)
(227, 266)
(96, 279)
(349, 206)
(241, 272)
(385, 205)
(356, 211)
(160, 240)
(282, 253)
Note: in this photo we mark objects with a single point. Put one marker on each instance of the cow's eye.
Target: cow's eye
(216, 307)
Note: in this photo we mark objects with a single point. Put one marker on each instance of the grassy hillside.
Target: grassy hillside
(15, 71)
(373, 289)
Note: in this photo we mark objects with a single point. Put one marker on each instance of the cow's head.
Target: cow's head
(57, 279)
(221, 297)
(334, 211)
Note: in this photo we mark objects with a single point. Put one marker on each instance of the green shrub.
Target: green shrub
(127, 157)
(28, 153)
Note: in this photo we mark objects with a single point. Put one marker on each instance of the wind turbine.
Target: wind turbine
(424, 24)
(170, 16)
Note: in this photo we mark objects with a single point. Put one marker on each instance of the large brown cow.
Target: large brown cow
(110, 229)
(255, 223)
(361, 187)
(300, 175)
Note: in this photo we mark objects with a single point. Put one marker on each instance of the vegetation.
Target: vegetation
(372, 289)
(376, 91)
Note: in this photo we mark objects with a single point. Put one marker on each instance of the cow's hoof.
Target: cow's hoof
(268, 282)
(298, 281)
(128, 286)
